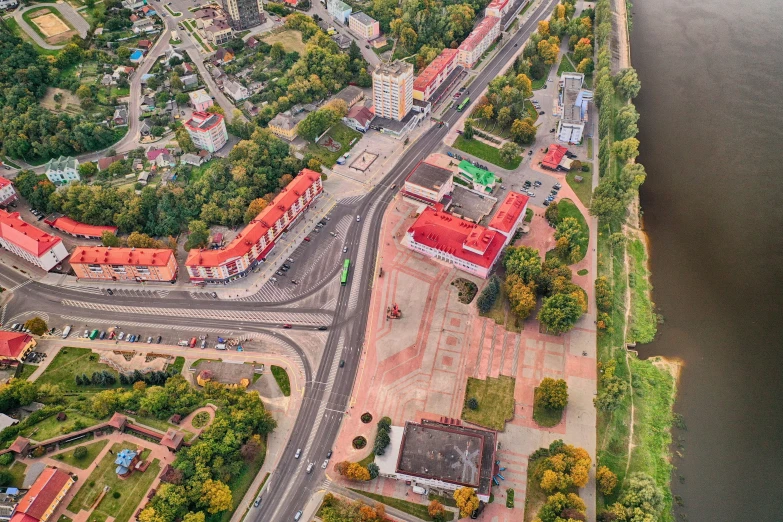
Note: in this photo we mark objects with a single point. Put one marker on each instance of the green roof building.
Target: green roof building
(482, 180)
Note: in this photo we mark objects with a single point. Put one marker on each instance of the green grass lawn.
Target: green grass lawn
(63, 518)
(26, 371)
(531, 110)
(417, 510)
(176, 368)
(544, 416)
(535, 497)
(340, 133)
(92, 452)
(72, 361)
(528, 215)
(565, 65)
(281, 376)
(496, 401)
(584, 188)
(644, 322)
(172, 13)
(446, 501)
(582, 272)
(9, 162)
(50, 427)
(486, 152)
(17, 470)
(566, 208)
(589, 148)
(366, 460)
(131, 489)
(538, 84)
(14, 27)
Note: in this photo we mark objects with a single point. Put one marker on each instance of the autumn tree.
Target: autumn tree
(436, 511)
(558, 504)
(255, 208)
(568, 235)
(356, 471)
(605, 480)
(543, 28)
(553, 393)
(110, 239)
(523, 131)
(523, 261)
(560, 313)
(582, 50)
(194, 517)
(509, 151)
(521, 296)
(611, 388)
(626, 149)
(547, 51)
(466, 500)
(88, 169)
(140, 240)
(565, 467)
(198, 235)
(586, 66)
(215, 496)
(36, 326)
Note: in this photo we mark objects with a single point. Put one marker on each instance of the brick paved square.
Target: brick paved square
(555, 347)
(554, 362)
(447, 361)
(530, 358)
(451, 341)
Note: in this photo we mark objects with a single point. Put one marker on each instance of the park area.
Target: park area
(290, 38)
(485, 152)
(494, 401)
(49, 24)
(339, 134)
(70, 362)
(123, 494)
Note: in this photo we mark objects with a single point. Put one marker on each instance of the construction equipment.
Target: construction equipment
(393, 312)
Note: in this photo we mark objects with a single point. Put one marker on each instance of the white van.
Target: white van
(221, 346)
(419, 490)
(67, 331)
(298, 515)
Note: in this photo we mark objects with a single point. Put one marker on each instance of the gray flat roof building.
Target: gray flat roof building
(429, 176)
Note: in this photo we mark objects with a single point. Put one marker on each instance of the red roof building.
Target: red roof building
(40, 502)
(75, 228)
(510, 214)
(105, 163)
(29, 242)
(257, 239)
(478, 41)
(7, 192)
(434, 74)
(15, 346)
(554, 156)
(497, 8)
(468, 246)
(207, 130)
(124, 264)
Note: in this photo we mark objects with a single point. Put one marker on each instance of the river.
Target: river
(712, 142)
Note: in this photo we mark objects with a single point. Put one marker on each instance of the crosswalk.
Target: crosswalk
(123, 292)
(314, 319)
(200, 295)
(350, 200)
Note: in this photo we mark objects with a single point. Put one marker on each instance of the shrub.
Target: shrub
(366, 417)
(39, 451)
(79, 453)
(359, 442)
(488, 295)
(6, 459)
(116, 494)
(473, 403)
(374, 470)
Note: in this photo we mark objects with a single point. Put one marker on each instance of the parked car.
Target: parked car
(342, 363)
(121, 336)
(298, 453)
(307, 238)
(325, 464)
(160, 338)
(149, 340)
(109, 291)
(287, 326)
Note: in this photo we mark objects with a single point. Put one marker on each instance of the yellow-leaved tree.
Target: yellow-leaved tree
(466, 500)
(216, 496)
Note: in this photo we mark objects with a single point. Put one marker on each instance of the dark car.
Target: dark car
(307, 238)
(322, 328)
(541, 113)
(342, 363)
(109, 291)
(286, 266)
(530, 152)
(214, 295)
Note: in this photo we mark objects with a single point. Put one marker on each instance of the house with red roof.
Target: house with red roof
(14, 346)
(257, 239)
(124, 264)
(78, 229)
(359, 118)
(435, 74)
(42, 499)
(30, 243)
(510, 214)
(554, 157)
(7, 192)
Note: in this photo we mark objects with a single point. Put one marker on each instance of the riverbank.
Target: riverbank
(634, 426)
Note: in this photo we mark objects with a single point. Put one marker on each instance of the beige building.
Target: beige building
(284, 124)
(363, 25)
(392, 90)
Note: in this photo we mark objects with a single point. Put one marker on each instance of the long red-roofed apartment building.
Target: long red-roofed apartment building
(42, 499)
(77, 229)
(124, 264)
(30, 243)
(258, 238)
(434, 74)
(467, 246)
(478, 41)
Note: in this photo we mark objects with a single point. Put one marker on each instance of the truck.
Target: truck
(67, 331)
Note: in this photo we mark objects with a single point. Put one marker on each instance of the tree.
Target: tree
(488, 295)
(316, 124)
(611, 388)
(552, 213)
(255, 208)
(140, 240)
(557, 504)
(553, 394)
(157, 130)
(568, 235)
(110, 239)
(356, 471)
(87, 170)
(37, 326)
(216, 496)
(509, 151)
(466, 500)
(252, 448)
(582, 50)
(79, 453)
(505, 117)
(473, 403)
(626, 149)
(373, 470)
(642, 496)
(521, 296)
(586, 66)
(523, 131)
(625, 122)
(522, 261)
(194, 517)
(277, 52)
(560, 313)
(547, 52)
(199, 235)
(468, 131)
(84, 92)
(628, 83)
(123, 53)
(543, 28)
(605, 480)
(436, 511)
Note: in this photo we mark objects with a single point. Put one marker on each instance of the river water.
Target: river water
(712, 142)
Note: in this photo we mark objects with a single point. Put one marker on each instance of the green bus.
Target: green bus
(464, 104)
(94, 334)
(344, 276)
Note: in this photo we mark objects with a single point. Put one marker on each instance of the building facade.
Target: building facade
(284, 125)
(392, 90)
(435, 74)
(428, 183)
(7, 192)
(14, 346)
(257, 239)
(30, 243)
(207, 130)
(124, 264)
(42, 499)
(364, 26)
(200, 100)
(339, 10)
(244, 14)
(218, 32)
(478, 41)
(62, 170)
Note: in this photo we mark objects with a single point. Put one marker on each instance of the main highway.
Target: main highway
(328, 388)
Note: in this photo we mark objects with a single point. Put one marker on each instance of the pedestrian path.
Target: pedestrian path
(124, 292)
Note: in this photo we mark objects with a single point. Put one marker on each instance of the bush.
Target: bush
(79, 453)
(488, 295)
(366, 417)
(359, 442)
(473, 403)
(116, 494)
(374, 470)
(509, 498)
(6, 459)
(5, 478)
(39, 451)
(382, 438)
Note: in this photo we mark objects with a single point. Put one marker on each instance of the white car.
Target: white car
(326, 463)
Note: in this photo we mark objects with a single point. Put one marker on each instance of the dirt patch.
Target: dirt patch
(68, 103)
(49, 23)
(291, 40)
(61, 38)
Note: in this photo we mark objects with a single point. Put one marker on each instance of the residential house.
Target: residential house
(14, 346)
(145, 25)
(120, 117)
(105, 163)
(478, 41)
(148, 11)
(45, 495)
(134, 18)
(133, 4)
(217, 73)
(188, 68)
(236, 90)
(284, 124)
(144, 45)
(244, 14)
(200, 100)
(251, 109)
(8, 4)
(189, 80)
(165, 160)
(342, 41)
(208, 131)
(124, 264)
(359, 118)
(143, 177)
(145, 127)
(219, 32)
(138, 164)
(107, 80)
(435, 74)
(351, 95)
(62, 170)
(153, 153)
(251, 43)
(223, 56)
(171, 54)
(191, 159)
(122, 70)
(147, 103)
(7, 192)
(392, 87)
(29, 242)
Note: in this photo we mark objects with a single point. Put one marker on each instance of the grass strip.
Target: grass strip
(281, 376)
(486, 152)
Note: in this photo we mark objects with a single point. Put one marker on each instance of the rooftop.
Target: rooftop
(24, 235)
(363, 18)
(286, 120)
(451, 453)
(465, 240)
(105, 163)
(397, 68)
(173, 439)
(509, 212)
(478, 175)
(572, 96)
(199, 96)
(479, 33)
(554, 156)
(3, 181)
(429, 176)
(62, 163)
(43, 493)
(121, 256)
(76, 228)
(361, 114)
(203, 121)
(256, 229)
(349, 94)
(431, 72)
(12, 343)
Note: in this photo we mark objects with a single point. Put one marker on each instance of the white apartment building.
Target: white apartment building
(392, 90)
(207, 130)
(7, 192)
(62, 170)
